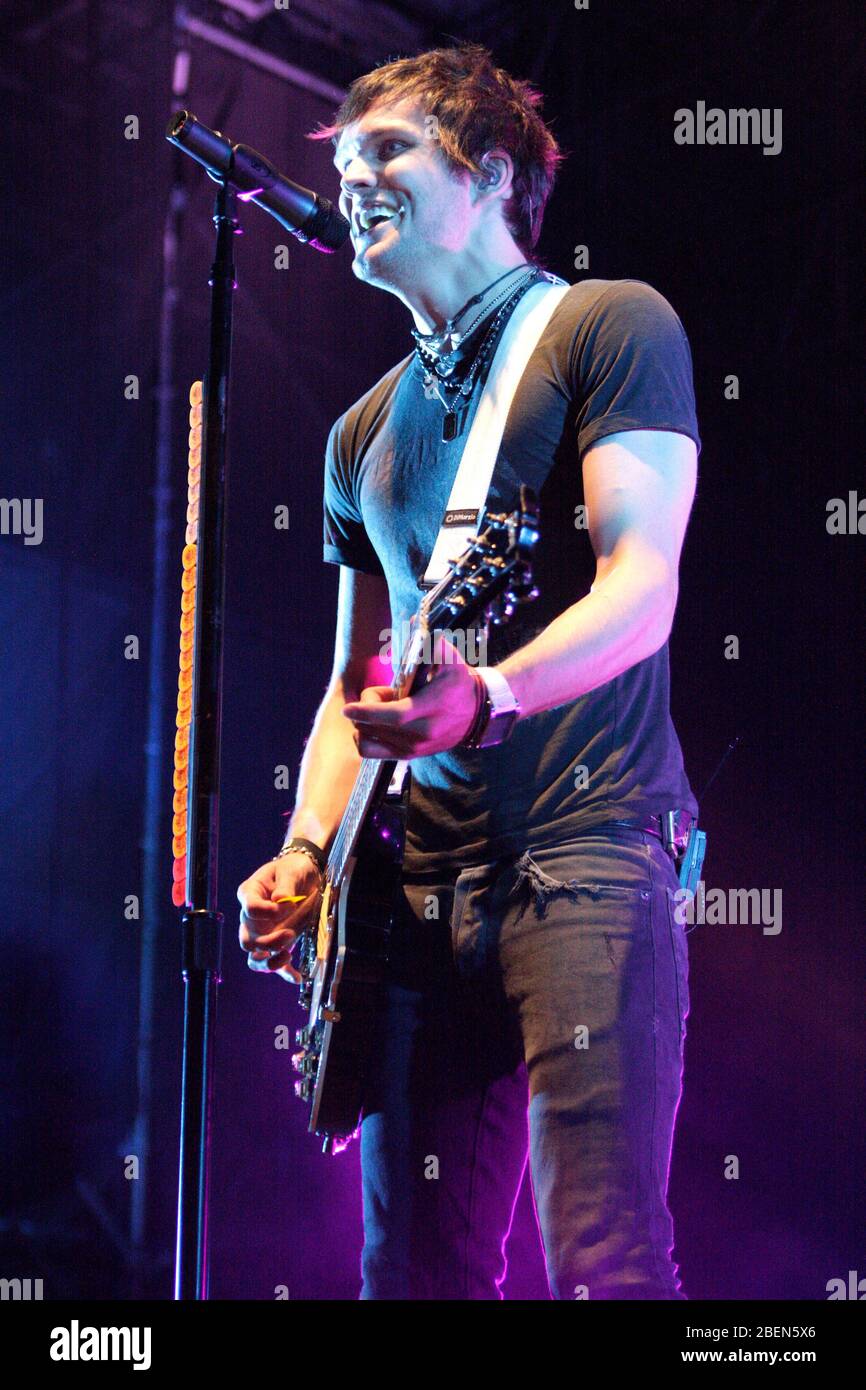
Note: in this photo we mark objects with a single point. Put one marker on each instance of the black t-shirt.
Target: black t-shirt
(613, 356)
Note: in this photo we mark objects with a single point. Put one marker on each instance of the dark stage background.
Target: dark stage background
(757, 255)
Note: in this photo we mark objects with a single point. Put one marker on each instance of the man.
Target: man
(535, 945)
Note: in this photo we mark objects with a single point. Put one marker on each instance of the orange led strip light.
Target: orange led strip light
(187, 639)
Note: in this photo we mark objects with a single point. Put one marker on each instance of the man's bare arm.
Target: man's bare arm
(282, 897)
(331, 760)
(639, 486)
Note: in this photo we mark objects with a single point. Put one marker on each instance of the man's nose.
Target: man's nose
(353, 187)
(356, 175)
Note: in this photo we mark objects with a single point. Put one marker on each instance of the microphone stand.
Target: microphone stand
(201, 922)
(240, 172)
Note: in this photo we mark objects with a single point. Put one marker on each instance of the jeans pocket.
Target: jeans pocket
(600, 871)
(470, 919)
(480, 893)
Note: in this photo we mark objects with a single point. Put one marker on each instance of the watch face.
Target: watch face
(498, 728)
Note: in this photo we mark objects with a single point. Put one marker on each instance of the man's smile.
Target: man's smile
(369, 217)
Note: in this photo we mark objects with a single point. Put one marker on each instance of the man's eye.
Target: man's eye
(389, 145)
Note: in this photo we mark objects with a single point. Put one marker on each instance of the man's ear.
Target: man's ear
(496, 171)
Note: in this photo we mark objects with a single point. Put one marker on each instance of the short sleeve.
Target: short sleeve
(632, 367)
(345, 537)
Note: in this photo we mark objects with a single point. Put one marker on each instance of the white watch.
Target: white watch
(500, 712)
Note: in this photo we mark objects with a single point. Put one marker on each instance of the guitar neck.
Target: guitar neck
(370, 786)
(374, 776)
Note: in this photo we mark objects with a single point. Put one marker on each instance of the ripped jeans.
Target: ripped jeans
(557, 977)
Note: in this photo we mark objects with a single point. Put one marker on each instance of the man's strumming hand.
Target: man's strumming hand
(436, 716)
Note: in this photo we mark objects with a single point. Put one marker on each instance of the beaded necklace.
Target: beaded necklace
(439, 368)
(435, 342)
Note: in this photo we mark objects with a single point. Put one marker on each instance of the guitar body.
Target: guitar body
(343, 964)
(346, 980)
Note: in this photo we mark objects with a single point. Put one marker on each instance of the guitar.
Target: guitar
(342, 961)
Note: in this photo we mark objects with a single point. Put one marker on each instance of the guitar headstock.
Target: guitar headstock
(493, 575)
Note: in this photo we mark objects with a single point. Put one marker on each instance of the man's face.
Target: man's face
(392, 167)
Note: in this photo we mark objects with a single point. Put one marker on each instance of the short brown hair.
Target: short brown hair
(478, 108)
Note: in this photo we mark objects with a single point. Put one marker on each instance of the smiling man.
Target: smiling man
(536, 956)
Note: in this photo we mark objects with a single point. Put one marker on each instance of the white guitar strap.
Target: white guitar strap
(472, 484)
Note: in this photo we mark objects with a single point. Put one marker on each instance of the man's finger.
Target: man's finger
(281, 964)
(274, 963)
(252, 940)
(272, 941)
(388, 715)
(371, 748)
(262, 907)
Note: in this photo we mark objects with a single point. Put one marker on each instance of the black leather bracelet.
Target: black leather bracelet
(306, 847)
(482, 711)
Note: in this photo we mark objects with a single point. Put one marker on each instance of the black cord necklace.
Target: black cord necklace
(434, 377)
(435, 342)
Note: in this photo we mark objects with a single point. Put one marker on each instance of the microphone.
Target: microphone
(301, 211)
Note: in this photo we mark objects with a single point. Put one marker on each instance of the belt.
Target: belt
(672, 828)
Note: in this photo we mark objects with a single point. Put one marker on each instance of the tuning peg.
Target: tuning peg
(491, 614)
(522, 588)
